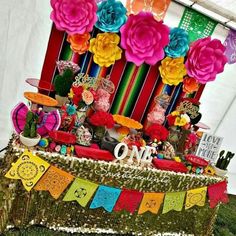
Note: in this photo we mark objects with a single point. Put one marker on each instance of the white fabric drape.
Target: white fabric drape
(25, 28)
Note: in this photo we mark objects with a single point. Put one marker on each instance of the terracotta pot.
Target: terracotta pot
(219, 171)
(29, 142)
(61, 100)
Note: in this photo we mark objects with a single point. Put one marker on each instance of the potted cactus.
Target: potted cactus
(62, 84)
(223, 162)
(29, 136)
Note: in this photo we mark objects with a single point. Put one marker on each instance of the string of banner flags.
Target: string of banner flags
(37, 174)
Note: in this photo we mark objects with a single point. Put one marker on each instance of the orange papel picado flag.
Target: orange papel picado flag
(151, 202)
(55, 181)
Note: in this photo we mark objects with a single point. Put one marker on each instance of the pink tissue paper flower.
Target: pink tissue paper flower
(144, 39)
(205, 59)
(74, 16)
(157, 115)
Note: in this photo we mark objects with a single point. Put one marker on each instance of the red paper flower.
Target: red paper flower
(171, 120)
(101, 118)
(158, 132)
(77, 90)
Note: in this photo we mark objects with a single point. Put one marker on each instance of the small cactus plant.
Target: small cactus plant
(30, 129)
(223, 161)
(63, 82)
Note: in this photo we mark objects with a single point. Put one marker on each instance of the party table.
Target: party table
(19, 208)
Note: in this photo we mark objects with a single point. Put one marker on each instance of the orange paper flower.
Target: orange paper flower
(79, 42)
(190, 85)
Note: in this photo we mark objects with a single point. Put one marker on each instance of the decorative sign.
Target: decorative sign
(209, 147)
(86, 81)
(188, 107)
(143, 155)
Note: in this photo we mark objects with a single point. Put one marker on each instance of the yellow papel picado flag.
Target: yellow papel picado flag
(29, 169)
(196, 197)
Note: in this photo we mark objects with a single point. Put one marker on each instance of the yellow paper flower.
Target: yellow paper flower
(105, 49)
(71, 94)
(175, 113)
(180, 121)
(172, 70)
(209, 170)
(177, 159)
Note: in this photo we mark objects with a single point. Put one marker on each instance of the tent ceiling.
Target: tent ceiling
(223, 11)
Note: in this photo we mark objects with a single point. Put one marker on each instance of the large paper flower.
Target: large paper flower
(74, 16)
(111, 16)
(179, 43)
(205, 59)
(172, 70)
(79, 42)
(144, 39)
(105, 49)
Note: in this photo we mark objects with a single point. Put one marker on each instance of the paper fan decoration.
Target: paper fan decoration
(18, 117)
(51, 121)
(47, 121)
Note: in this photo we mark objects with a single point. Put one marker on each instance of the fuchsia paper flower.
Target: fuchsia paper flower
(205, 59)
(144, 39)
(74, 16)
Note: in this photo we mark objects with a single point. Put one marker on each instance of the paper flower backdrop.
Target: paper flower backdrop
(105, 49)
(111, 16)
(79, 42)
(74, 16)
(179, 43)
(206, 59)
(144, 39)
(172, 70)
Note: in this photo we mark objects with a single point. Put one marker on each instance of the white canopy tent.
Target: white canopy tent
(25, 29)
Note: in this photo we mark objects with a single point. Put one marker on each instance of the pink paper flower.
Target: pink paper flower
(144, 39)
(74, 16)
(101, 105)
(205, 59)
(157, 115)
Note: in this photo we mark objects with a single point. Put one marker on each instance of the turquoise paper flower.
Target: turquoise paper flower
(111, 16)
(179, 43)
(70, 110)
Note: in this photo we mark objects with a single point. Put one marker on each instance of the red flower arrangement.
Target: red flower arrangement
(101, 118)
(83, 97)
(158, 132)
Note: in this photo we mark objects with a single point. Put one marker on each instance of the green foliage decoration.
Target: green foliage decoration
(63, 83)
